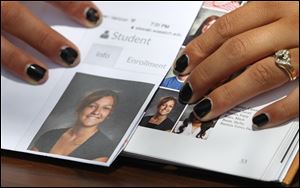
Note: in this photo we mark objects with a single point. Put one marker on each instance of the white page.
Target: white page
(232, 146)
(143, 62)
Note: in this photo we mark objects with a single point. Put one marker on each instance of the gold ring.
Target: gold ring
(283, 61)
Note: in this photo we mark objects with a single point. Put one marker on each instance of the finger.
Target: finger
(240, 51)
(250, 16)
(84, 12)
(17, 20)
(21, 64)
(278, 112)
(262, 76)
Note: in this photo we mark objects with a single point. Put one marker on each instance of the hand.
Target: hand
(17, 20)
(245, 39)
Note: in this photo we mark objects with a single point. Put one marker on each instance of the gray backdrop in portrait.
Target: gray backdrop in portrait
(203, 14)
(131, 96)
(161, 92)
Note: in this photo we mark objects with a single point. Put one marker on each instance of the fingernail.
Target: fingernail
(181, 64)
(36, 72)
(203, 107)
(260, 120)
(185, 94)
(69, 55)
(93, 16)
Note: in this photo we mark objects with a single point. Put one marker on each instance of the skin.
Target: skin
(182, 78)
(18, 21)
(206, 27)
(195, 124)
(96, 112)
(250, 35)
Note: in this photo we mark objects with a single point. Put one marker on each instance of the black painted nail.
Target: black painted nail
(202, 108)
(69, 55)
(36, 72)
(181, 64)
(260, 120)
(185, 94)
(92, 15)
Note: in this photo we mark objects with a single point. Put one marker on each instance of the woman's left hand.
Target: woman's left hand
(250, 35)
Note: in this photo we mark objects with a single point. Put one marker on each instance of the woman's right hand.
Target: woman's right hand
(18, 21)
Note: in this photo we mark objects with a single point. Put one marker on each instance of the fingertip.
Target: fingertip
(69, 56)
(185, 93)
(21, 64)
(278, 113)
(36, 74)
(181, 64)
(260, 121)
(93, 17)
(203, 108)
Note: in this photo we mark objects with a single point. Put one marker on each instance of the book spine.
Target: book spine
(292, 171)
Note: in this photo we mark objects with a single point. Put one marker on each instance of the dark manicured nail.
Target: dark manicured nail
(202, 108)
(36, 72)
(92, 15)
(69, 55)
(181, 64)
(260, 120)
(185, 94)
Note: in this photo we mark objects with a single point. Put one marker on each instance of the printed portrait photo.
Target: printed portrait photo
(163, 110)
(189, 125)
(91, 117)
(204, 20)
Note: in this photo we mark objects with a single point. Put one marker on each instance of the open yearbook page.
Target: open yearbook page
(126, 72)
(227, 144)
(123, 62)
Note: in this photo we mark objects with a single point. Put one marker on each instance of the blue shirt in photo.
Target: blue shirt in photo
(172, 82)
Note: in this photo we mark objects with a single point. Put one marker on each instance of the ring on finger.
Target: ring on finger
(283, 61)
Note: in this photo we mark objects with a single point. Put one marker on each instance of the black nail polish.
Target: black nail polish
(181, 63)
(260, 120)
(69, 55)
(92, 15)
(202, 108)
(185, 94)
(36, 72)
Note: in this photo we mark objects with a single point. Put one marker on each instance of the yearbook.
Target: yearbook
(104, 106)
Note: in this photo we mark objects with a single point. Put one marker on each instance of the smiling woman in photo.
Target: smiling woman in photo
(160, 119)
(84, 139)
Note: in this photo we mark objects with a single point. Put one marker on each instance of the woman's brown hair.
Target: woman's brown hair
(96, 95)
(163, 100)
